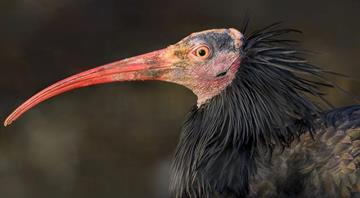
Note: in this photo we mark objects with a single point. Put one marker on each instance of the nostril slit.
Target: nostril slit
(221, 74)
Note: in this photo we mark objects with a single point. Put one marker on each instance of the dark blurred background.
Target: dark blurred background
(116, 140)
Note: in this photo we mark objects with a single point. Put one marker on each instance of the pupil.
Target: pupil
(202, 52)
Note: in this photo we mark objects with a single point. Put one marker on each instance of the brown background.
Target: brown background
(116, 140)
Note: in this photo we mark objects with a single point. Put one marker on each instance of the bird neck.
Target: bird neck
(207, 161)
(221, 140)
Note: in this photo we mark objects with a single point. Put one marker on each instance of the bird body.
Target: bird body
(256, 130)
(325, 165)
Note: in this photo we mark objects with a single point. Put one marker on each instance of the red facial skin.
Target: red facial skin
(208, 84)
(177, 63)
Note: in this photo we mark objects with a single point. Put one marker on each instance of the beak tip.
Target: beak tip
(7, 122)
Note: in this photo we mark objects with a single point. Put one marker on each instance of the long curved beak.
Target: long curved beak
(150, 66)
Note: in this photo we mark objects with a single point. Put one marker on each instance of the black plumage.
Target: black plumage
(265, 122)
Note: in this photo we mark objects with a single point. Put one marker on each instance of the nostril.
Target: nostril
(221, 74)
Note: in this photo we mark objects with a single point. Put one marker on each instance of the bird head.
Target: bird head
(205, 62)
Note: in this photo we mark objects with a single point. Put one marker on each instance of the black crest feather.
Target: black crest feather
(268, 104)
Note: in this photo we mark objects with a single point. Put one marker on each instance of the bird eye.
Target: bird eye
(202, 52)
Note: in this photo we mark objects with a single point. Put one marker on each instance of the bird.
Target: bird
(262, 125)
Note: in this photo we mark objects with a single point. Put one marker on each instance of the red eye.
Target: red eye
(202, 52)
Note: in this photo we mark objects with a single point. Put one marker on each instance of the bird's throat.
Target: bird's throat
(205, 88)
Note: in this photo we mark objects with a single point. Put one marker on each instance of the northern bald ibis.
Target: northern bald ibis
(256, 130)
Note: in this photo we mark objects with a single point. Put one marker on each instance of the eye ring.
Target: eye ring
(202, 52)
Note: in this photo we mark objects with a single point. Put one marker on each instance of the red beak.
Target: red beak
(150, 66)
